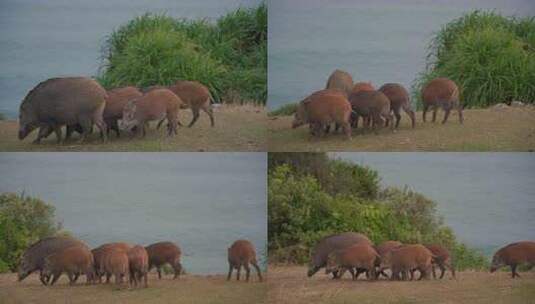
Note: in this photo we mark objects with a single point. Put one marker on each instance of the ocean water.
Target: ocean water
(488, 199)
(44, 39)
(202, 201)
(379, 41)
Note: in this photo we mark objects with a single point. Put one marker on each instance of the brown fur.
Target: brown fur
(138, 260)
(98, 255)
(196, 96)
(155, 105)
(384, 248)
(407, 258)
(73, 261)
(442, 260)
(362, 87)
(117, 100)
(441, 92)
(340, 80)
(323, 108)
(164, 253)
(513, 255)
(359, 256)
(57, 102)
(114, 261)
(370, 104)
(242, 253)
(399, 99)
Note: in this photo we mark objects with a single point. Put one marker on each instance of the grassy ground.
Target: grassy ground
(237, 128)
(211, 289)
(289, 284)
(509, 129)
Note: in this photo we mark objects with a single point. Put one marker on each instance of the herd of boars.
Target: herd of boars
(80, 102)
(53, 256)
(355, 253)
(343, 102)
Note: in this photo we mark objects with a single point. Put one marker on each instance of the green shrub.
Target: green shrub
(23, 220)
(285, 110)
(230, 56)
(490, 57)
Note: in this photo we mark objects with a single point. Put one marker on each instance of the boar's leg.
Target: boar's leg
(247, 271)
(57, 130)
(177, 267)
(435, 109)
(55, 277)
(407, 108)
(447, 110)
(160, 123)
(108, 276)
(230, 267)
(433, 271)
(513, 271)
(258, 272)
(424, 111)
(195, 112)
(159, 269)
(71, 277)
(460, 111)
(44, 131)
(145, 279)
(238, 272)
(207, 108)
(397, 115)
(85, 123)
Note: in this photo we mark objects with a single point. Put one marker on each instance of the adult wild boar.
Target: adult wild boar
(33, 259)
(362, 87)
(195, 96)
(399, 99)
(114, 262)
(340, 80)
(323, 108)
(98, 255)
(407, 258)
(242, 253)
(63, 101)
(74, 261)
(164, 253)
(360, 257)
(384, 248)
(442, 260)
(373, 105)
(331, 243)
(138, 265)
(155, 105)
(444, 93)
(117, 100)
(513, 255)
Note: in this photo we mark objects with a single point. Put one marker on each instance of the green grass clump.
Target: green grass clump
(285, 110)
(490, 57)
(228, 56)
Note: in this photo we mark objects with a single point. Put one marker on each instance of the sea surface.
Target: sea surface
(202, 201)
(44, 39)
(488, 199)
(379, 41)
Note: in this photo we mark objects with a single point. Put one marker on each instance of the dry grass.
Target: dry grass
(289, 284)
(510, 129)
(237, 128)
(188, 289)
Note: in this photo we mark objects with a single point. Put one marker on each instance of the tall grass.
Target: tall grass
(229, 55)
(490, 57)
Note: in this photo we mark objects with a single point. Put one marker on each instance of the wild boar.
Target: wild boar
(73, 260)
(444, 93)
(330, 244)
(63, 101)
(98, 255)
(117, 100)
(114, 262)
(362, 87)
(340, 80)
(33, 258)
(323, 108)
(384, 248)
(399, 99)
(164, 253)
(138, 261)
(370, 104)
(360, 256)
(195, 96)
(407, 258)
(155, 105)
(242, 253)
(513, 255)
(442, 260)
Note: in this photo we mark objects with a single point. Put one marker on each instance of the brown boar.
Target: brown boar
(360, 256)
(114, 261)
(384, 248)
(195, 96)
(407, 258)
(331, 243)
(57, 102)
(164, 253)
(323, 108)
(98, 256)
(155, 105)
(33, 258)
(242, 253)
(373, 105)
(362, 87)
(444, 93)
(340, 80)
(74, 261)
(442, 260)
(513, 255)
(399, 99)
(117, 100)
(138, 261)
